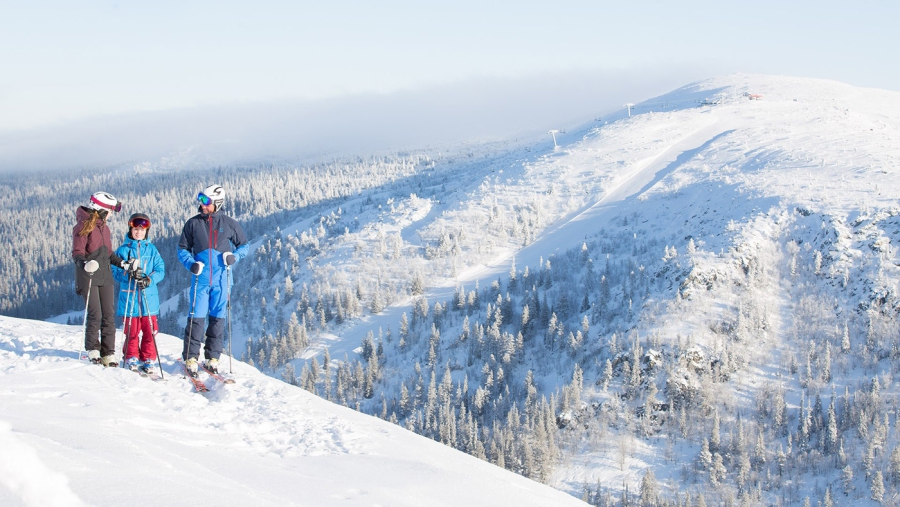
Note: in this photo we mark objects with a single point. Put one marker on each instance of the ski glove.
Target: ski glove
(228, 258)
(197, 268)
(129, 265)
(137, 273)
(144, 281)
(91, 266)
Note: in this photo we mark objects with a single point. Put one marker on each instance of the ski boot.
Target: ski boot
(132, 363)
(148, 367)
(192, 366)
(212, 365)
(109, 361)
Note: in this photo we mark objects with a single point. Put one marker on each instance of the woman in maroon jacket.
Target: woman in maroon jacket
(93, 254)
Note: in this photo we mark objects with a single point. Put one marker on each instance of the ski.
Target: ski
(152, 376)
(217, 376)
(199, 386)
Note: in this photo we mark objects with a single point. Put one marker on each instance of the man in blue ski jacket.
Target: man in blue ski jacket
(211, 242)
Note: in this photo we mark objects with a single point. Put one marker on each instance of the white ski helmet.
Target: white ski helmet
(215, 193)
(104, 201)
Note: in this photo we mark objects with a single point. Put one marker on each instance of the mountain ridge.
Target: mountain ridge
(704, 290)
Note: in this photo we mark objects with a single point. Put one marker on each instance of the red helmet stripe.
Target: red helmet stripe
(111, 207)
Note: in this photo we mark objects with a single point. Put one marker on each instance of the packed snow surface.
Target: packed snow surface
(72, 433)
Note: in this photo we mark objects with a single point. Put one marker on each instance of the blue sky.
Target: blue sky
(64, 62)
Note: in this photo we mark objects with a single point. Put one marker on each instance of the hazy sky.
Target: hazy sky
(66, 61)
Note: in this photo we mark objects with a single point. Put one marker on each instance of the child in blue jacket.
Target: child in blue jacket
(138, 294)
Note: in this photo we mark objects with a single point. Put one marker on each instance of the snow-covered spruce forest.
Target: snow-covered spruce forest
(694, 305)
(36, 271)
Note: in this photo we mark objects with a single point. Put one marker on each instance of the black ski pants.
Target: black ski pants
(193, 338)
(100, 331)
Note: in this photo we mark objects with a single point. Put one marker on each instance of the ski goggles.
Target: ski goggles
(140, 223)
(204, 199)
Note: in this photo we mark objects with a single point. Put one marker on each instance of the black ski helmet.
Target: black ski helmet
(140, 221)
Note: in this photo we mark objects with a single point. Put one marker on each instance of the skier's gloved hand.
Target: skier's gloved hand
(144, 281)
(129, 265)
(197, 268)
(137, 273)
(91, 266)
(228, 258)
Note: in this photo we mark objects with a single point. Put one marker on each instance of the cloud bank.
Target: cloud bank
(472, 111)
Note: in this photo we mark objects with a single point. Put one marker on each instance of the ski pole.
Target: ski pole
(129, 305)
(228, 315)
(140, 311)
(153, 335)
(187, 342)
(89, 269)
(130, 308)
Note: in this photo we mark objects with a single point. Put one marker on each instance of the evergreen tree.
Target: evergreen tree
(894, 465)
(878, 487)
(649, 490)
(289, 375)
(847, 479)
(705, 458)
(715, 439)
(831, 429)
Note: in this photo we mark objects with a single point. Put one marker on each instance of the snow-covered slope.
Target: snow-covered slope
(722, 260)
(72, 433)
(687, 169)
(747, 220)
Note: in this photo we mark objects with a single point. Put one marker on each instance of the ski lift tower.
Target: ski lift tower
(553, 133)
(629, 106)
